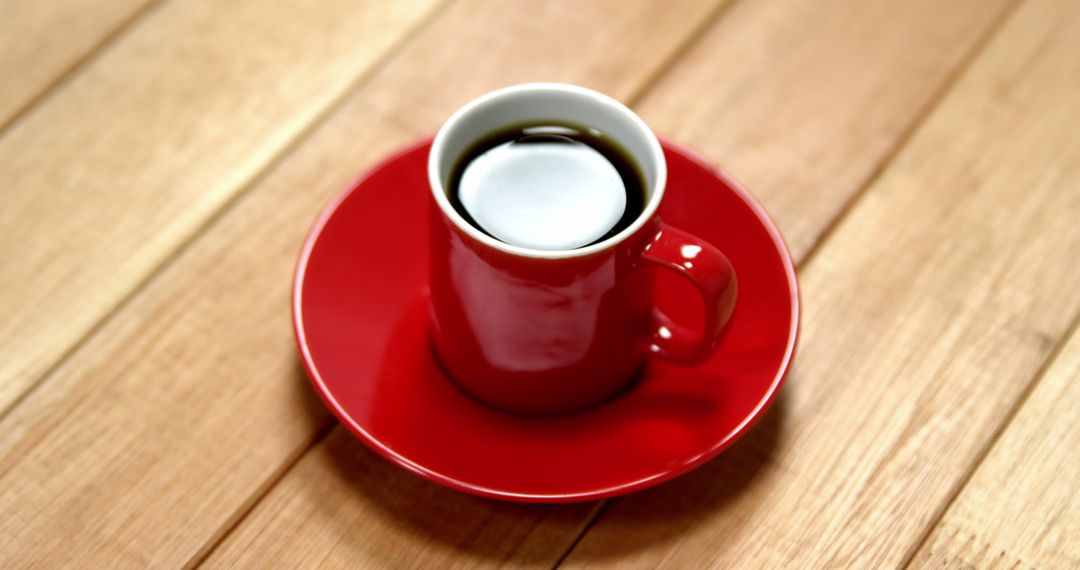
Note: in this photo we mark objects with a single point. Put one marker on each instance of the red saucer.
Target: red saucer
(359, 308)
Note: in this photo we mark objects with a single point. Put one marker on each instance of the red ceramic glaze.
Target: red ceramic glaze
(541, 336)
(362, 318)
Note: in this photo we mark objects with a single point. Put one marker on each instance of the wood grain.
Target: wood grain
(802, 100)
(354, 509)
(928, 312)
(41, 40)
(1022, 506)
(105, 179)
(158, 433)
(274, 532)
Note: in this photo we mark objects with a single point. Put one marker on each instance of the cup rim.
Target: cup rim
(474, 106)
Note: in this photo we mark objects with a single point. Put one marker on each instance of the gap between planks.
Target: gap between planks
(906, 135)
(254, 499)
(991, 442)
(77, 65)
(690, 40)
(227, 205)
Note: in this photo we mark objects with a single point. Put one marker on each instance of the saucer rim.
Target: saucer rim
(605, 492)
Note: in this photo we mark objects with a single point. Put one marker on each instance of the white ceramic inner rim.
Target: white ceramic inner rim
(539, 102)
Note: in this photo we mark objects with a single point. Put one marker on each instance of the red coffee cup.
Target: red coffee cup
(544, 332)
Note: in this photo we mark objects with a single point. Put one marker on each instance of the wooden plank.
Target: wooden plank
(289, 527)
(44, 39)
(103, 181)
(349, 508)
(1022, 506)
(802, 100)
(161, 430)
(928, 312)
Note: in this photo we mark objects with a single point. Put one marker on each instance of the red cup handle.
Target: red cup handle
(712, 275)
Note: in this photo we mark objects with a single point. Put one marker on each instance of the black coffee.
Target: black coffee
(549, 186)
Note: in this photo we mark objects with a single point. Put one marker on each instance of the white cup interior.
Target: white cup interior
(539, 103)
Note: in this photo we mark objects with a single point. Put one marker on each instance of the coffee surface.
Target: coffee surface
(547, 186)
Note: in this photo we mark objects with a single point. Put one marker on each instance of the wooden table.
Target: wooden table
(161, 161)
